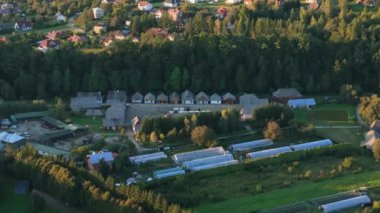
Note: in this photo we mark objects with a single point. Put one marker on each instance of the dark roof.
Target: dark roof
(229, 96)
(162, 97)
(202, 97)
(137, 96)
(55, 135)
(29, 115)
(149, 97)
(187, 95)
(174, 97)
(54, 122)
(215, 97)
(287, 93)
(116, 96)
(375, 125)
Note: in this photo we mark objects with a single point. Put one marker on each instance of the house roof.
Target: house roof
(49, 43)
(53, 34)
(375, 125)
(162, 97)
(24, 23)
(287, 93)
(202, 97)
(54, 122)
(149, 97)
(116, 96)
(77, 39)
(248, 99)
(174, 97)
(10, 137)
(137, 96)
(215, 97)
(229, 96)
(106, 156)
(187, 95)
(55, 134)
(29, 115)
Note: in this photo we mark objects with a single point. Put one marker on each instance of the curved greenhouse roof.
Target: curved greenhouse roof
(269, 152)
(312, 145)
(345, 204)
(138, 159)
(204, 153)
(250, 145)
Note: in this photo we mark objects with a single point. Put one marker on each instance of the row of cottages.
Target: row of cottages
(187, 97)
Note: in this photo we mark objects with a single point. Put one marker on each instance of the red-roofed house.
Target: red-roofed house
(175, 14)
(108, 41)
(77, 39)
(48, 44)
(53, 35)
(4, 39)
(144, 6)
(23, 26)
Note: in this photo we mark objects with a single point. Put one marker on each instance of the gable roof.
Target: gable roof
(174, 97)
(106, 156)
(116, 96)
(187, 95)
(162, 97)
(202, 96)
(137, 96)
(228, 96)
(287, 93)
(54, 122)
(215, 97)
(149, 97)
(248, 99)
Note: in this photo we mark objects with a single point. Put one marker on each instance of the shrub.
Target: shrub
(308, 174)
(203, 136)
(259, 188)
(272, 131)
(275, 112)
(347, 162)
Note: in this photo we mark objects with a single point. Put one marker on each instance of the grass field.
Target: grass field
(342, 135)
(10, 202)
(298, 193)
(327, 114)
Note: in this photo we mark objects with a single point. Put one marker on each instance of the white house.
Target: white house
(233, 1)
(98, 12)
(59, 17)
(144, 6)
(23, 26)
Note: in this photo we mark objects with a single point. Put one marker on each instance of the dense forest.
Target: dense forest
(249, 51)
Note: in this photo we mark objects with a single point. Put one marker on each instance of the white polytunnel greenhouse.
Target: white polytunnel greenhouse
(204, 153)
(250, 145)
(269, 152)
(312, 145)
(345, 204)
(210, 162)
(168, 172)
(139, 159)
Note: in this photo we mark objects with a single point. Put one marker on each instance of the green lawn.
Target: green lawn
(9, 201)
(327, 114)
(93, 123)
(342, 135)
(297, 193)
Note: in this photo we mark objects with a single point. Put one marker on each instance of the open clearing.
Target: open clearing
(342, 135)
(327, 116)
(298, 193)
(9, 201)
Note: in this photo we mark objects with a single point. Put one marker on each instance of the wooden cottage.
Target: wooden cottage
(137, 98)
(149, 98)
(229, 98)
(202, 98)
(174, 98)
(187, 97)
(162, 98)
(215, 99)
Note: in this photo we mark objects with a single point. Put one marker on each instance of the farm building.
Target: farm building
(370, 138)
(93, 160)
(162, 98)
(86, 100)
(52, 122)
(116, 97)
(137, 98)
(174, 98)
(301, 103)
(13, 139)
(149, 98)
(55, 135)
(204, 153)
(115, 116)
(139, 159)
(210, 162)
(250, 145)
(248, 103)
(19, 117)
(187, 97)
(215, 99)
(202, 98)
(97, 12)
(5, 123)
(168, 172)
(228, 98)
(312, 145)
(345, 204)
(282, 95)
(269, 152)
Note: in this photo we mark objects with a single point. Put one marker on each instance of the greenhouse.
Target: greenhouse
(312, 145)
(139, 159)
(204, 153)
(345, 204)
(250, 145)
(210, 162)
(168, 172)
(269, 152)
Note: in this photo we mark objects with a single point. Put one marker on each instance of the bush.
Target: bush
(272, 131)
(273, 112)
(347, 162)
(308, 174)
(203, 136)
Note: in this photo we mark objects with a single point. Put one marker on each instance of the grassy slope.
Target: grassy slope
(10, 202)
(301, 192)
(349, 135)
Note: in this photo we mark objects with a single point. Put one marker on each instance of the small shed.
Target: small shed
(137, 98)
(174, 98)
(229, 98)
(149, 98)
(215, 99)
(187, 97)
(202, 98)
(162, 98)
